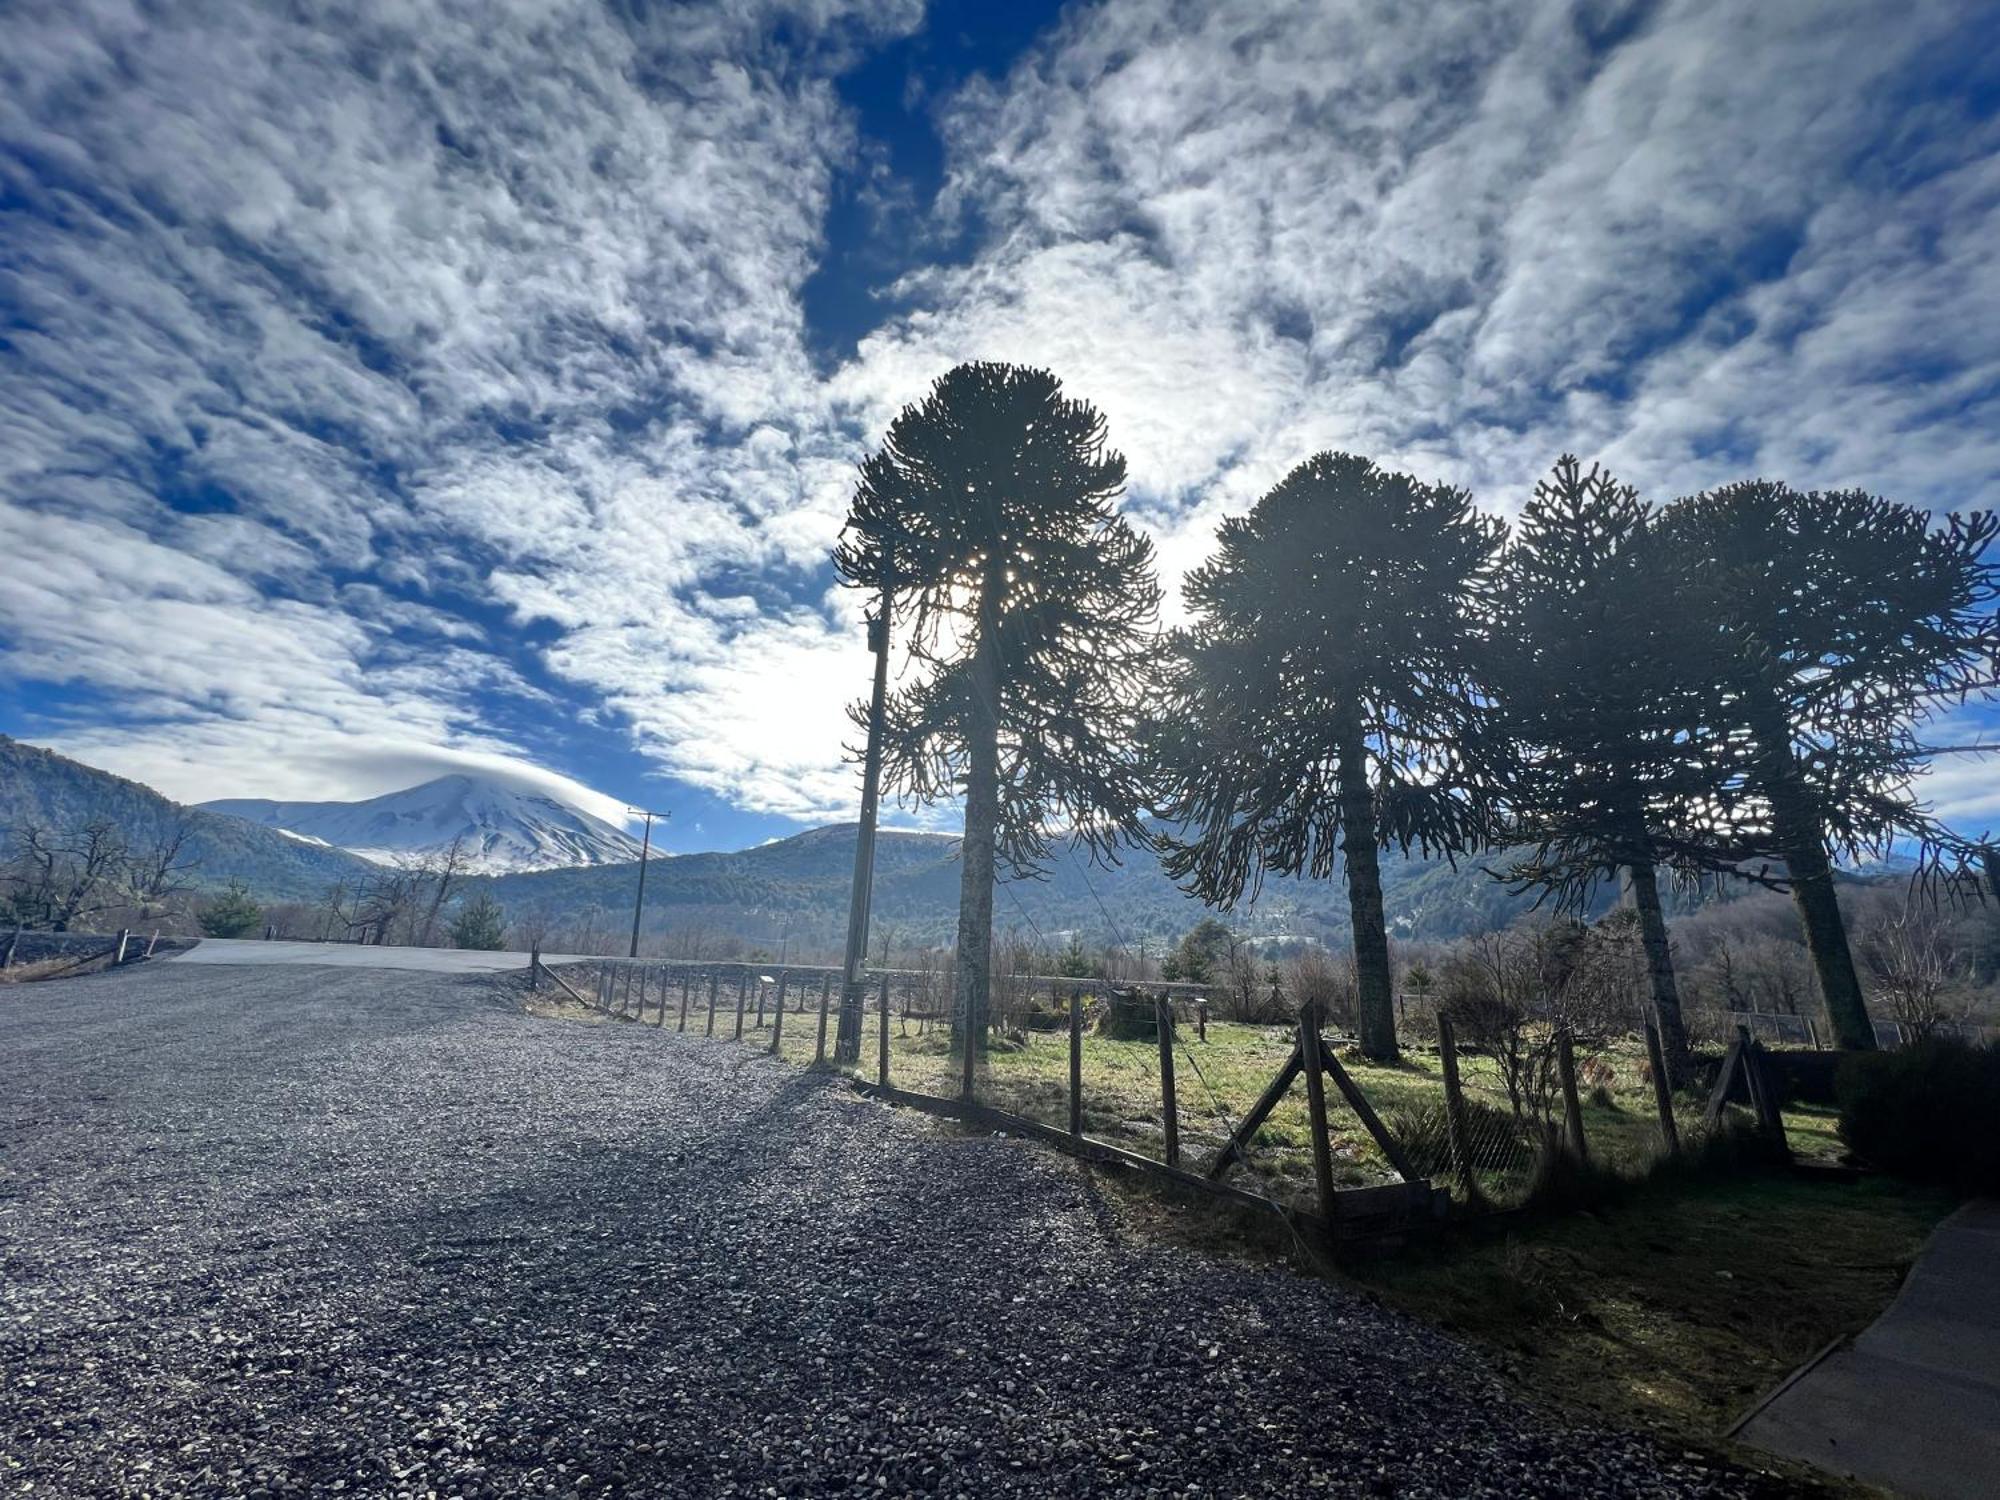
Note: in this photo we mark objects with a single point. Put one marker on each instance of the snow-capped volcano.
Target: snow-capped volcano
(504, 828)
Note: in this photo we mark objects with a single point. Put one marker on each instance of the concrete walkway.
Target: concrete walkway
(358, 956)
(1914, 1402)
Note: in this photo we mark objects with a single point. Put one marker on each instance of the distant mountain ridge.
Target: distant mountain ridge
(793, 889)
(502, 829)
(40, 787)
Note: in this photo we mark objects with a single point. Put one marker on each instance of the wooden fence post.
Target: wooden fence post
(825, 1003)
(1170, 1119)
(778, 1017)
(1201, 1020)
(534, 967)
(150, 942)
(760, 1002)
(7, 953)
(714, 989)
(687, 983)
(1075, 1062)
(1454, 1110)
(1764, 1095)
(742, 999)
(1572, 1108)
(1663, 1090)
(1246, 1128)
(784, 982)
(882, 1057)
(1718, 1096)
(118, 952)
(1310, 1058)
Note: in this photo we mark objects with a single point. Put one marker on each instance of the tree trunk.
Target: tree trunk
(1803, 844)
(1645, 889)
(982, 817)
(1826, 937)
(1376, 1012)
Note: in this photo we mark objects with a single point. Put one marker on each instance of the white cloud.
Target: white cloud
(503, 304)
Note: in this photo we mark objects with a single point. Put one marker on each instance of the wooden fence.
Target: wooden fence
(1130, 1078)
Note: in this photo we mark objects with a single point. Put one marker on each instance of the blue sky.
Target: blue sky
(475, 385)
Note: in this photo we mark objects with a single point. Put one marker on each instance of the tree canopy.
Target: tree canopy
(1603, 754)
(989, 513)
(988, 521)
(1324, 701)
(1834, 625)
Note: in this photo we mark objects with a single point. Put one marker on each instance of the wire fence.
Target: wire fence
(1290, 1114)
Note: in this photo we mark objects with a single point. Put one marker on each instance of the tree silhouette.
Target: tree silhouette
(1603, 755)
(1031, 603)
(1324, 697)
(479, 924)
(1835, 624)
(231, 914)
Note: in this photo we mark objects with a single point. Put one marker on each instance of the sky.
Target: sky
(397, 388)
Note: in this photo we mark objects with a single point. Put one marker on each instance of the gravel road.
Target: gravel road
(294, 1230)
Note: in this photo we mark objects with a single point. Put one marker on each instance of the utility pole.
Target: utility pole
(645, 847)
(847, 1043)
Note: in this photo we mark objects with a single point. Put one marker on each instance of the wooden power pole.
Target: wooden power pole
(645, 848)
(847, 1042)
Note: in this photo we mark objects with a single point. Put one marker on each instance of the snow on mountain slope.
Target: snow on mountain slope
(504, 828)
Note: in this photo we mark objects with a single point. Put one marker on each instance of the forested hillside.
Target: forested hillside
(797, 889)
(40, 789)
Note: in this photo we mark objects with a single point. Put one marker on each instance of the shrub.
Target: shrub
(232, 914)
(1930, 1111)
(481, 925)
(1129, 1016)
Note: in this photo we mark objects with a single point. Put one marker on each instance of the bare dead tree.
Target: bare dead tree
(1916, 968)
(55, 880)
(164, 868)
(441, 871)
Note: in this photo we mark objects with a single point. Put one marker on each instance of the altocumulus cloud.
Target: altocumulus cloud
(376, 392)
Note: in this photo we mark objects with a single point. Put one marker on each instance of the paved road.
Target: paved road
(237, 951)
(316, 1230)
(1914, 1402)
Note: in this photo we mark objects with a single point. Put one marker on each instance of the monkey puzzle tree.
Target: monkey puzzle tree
(1835, 624)
(1324, 698)
(1032, 603)
(1603, 754)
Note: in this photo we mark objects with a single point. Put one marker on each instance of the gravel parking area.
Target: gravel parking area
(296, 1230)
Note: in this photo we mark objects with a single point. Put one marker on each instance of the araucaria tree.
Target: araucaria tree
(1836, 625)
(1031, 608)
(1604, 757)
(1325, 696)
